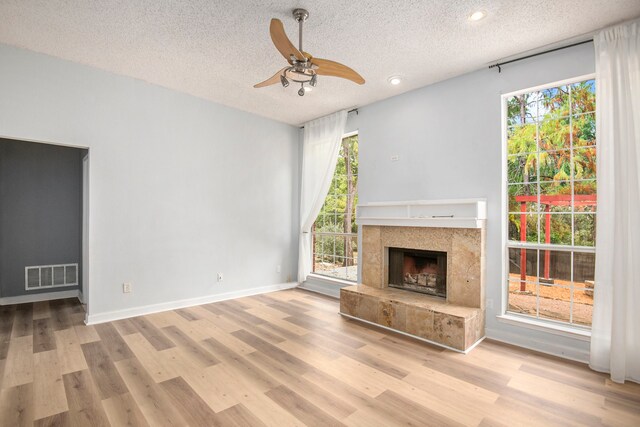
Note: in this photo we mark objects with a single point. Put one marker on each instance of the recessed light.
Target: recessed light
(477, 15)
(395, 80)
(308, 88)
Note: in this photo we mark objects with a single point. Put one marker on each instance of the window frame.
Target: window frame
(504, 315)
(327, 278)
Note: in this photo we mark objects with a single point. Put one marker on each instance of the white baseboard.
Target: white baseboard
(109, 316)
(47, 296)
(579, 352)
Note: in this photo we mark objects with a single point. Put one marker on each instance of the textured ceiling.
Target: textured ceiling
(217, 49)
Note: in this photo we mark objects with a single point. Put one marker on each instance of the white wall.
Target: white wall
(448, 137)
(180, 188)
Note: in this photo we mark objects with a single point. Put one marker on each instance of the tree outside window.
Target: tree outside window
(335, 233)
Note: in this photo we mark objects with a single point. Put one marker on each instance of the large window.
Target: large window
(551, 199)
(335, 233)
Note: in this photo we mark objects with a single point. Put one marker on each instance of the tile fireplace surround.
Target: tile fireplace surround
(456, 227)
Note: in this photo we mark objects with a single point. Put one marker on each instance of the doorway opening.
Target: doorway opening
(43, 222)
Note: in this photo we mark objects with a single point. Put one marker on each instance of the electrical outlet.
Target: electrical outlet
(220, 277)
(278, 269)
(489, 303)
(395, 158)
(126, 288)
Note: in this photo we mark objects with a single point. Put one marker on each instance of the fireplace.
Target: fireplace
(419, 271)
(433, 247)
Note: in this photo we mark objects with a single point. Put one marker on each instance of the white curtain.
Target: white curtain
(320, 149)
(615, 334)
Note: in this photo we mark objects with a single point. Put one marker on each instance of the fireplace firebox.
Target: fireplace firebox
(418, 271)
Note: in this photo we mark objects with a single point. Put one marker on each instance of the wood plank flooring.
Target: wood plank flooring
(280, 359)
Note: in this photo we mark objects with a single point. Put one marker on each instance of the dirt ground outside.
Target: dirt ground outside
(554, 302)
(337, 271)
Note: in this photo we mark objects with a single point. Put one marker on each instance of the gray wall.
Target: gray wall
(448, 138)
(41, 210)
(180, 188)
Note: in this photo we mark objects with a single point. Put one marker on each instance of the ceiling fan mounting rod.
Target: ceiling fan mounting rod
(300, 15)
(300, 23)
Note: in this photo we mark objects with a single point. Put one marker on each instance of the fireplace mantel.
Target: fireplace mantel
(455, 213)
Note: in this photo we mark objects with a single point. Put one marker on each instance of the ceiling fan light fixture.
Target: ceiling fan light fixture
(395, 80)
(477, 15)
(302, 67)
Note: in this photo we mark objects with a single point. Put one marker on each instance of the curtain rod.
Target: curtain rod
(348, 112)
(500, 64)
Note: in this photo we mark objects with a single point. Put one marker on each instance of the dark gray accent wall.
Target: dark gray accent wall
(40, 211)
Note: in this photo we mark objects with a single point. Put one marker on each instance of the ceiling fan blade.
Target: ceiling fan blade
(271, 80)
(332, 68)
(282, 42)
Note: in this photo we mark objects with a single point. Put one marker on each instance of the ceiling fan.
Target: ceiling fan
(303, 68)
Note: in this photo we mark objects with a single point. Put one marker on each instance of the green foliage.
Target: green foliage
(331, 248)
(334, 211)
(551, 142)
(585, 226)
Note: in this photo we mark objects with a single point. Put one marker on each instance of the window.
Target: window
(335, 233)
(551, 199)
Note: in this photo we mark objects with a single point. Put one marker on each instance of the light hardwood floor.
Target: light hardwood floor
(281, 359)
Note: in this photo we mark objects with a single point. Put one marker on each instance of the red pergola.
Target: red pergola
(547, 201)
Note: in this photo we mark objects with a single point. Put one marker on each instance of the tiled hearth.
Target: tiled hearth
(456, 228)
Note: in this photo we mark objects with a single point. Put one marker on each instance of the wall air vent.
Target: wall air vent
(50, 276)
